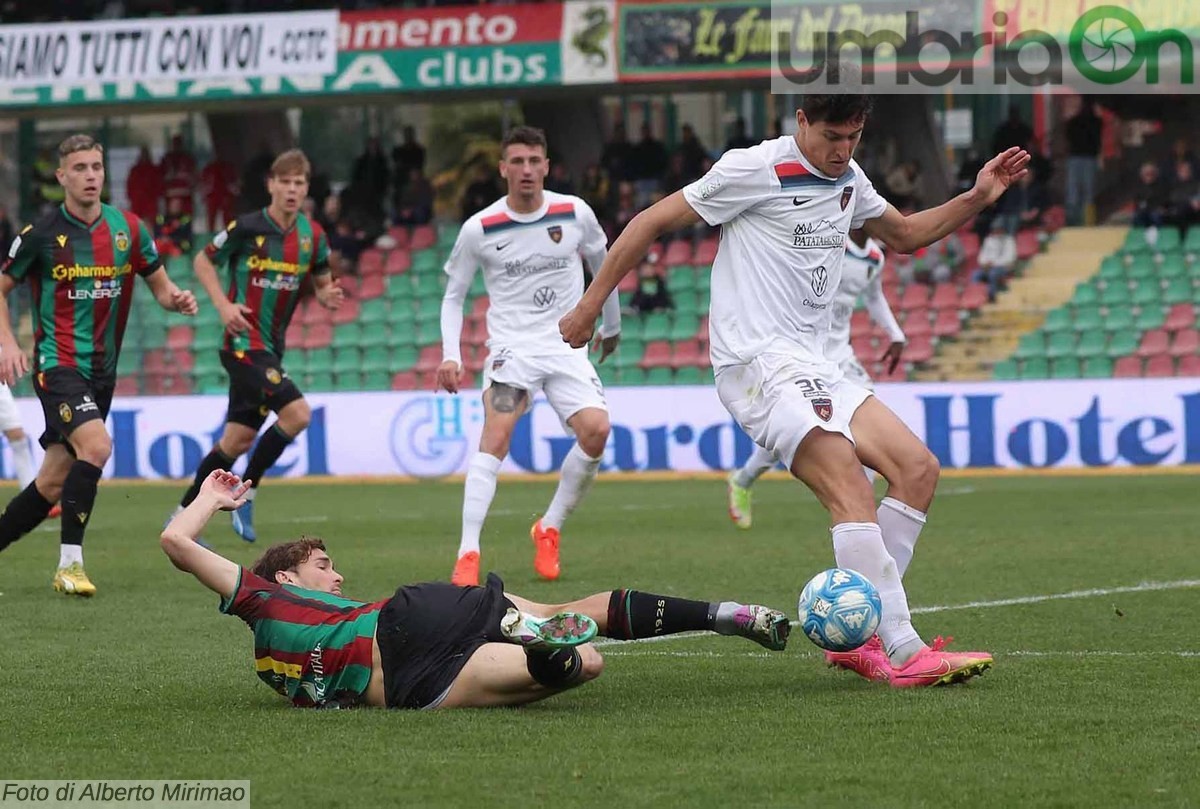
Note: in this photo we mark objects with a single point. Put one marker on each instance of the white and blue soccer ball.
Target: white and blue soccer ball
(839, 609)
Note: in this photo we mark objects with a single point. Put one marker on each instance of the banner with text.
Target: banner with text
(685, 429)
(168, 48)
(453, 48)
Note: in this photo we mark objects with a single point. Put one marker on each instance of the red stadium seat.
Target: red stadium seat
(294, 335)
(429, 359)
(974, 296)
(860, 322)
(919, 349)
(679, 252)
(1027, 244)
(1189, 366)
(945, 296)
(657, 354)
(126, 386)
(318, 335)
(480, 305)
(629, 283)
(1127, 368)
(947, 324)
(881, 374)
(405, 380)
(687, 354)
(915, 296)
(423, 237)
(1054, 218)
(370, 262)
(400, 234)
(350, 285)
(427, 380)
(475, 331)
(154, 361)
(1154, 342)
(181, 360)
(179, 336)
(1181, 316)
(373, 286)
(702, 334)
(313, 313)
(969, 240)
(1186, 342)
(1159, 366)
(347, 312)
(706, 252)
(916, 324)
(398, 261)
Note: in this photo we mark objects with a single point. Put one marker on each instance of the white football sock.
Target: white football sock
(759, 462)
(70, 554)
(901, 526)
(578, 472)
(870, 473)
(477, 499)
(23, 462)
(859, 546)
(252, 492)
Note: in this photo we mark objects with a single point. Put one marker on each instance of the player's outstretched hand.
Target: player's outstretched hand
(607, 345)
(449, 375)
(891, 357)
(184, 302)
(332, 296)
(1001, 173)
(226, 489)
(576, 327)
(233, 317)
(13, 364)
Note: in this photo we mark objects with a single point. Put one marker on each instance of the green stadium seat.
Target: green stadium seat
(1168, 240)
(1135, 241)
(1061, 344)
(1097, 368)
(656, 326)
(320, 382)
(1150, 317)
(1119, 318)
(428, 287)
(207, 363)
(346, 358)
(348, 334)
(1032, 344)
(429, 333)
(401, 316)
(320, 361)
(1122, 344)
(1142, 267)
(687, 303)
(296, 363)
(1091, 344)
(1086, 294)
(628, 355)
(1057, 320)
(478, 286)
(1006, 370)
(212, 384)
(1146, 293)
(681, 279)
(607, 373)
(1177, 290)
(404, 337)
(684, 327)
(404, 357)
(689, 376)
(1173, 266)
(631, 376)
(399, 287)
(1116, 294)
(425, 262)
(1192, 243)
(376, 380)
(129, 361)
(1065, 368)
(1035, 368)
(377, 359)
(660, 376)
(1111, 269)
(1088, 317)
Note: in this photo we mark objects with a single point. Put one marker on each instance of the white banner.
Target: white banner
(200, 48)
(588, 42)
(1024, 424)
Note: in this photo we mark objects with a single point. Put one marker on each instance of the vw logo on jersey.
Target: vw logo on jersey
(544, 297)
(820, 280)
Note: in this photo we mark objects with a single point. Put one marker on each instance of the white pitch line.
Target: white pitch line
(1144, 587)
(1016, 653)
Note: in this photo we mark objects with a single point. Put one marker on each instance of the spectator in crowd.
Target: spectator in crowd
(144, 187)
(617, 154)
(594, 190)
(626, 208)
(482, 192)
(652, 294)
(1184, 196)
(678, 175)
(348, 242)
(329, 214)
(1181, 152)
(648, 165)
(1082, 132)
(968, 169)
(254, 179)
(179, 174)
(414, 206)
(934, 264)
(1152, 197)
(407, 155)
(219, 187)
(1039, 166)
(173, 229)
(738, 139)
(901, 184)
(1013, 132)
(692, 151)
(997, 255)
(370, 178)
(559, 180)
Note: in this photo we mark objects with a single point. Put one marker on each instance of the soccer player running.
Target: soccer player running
(529, 244)
(862, 275)
(14, 431)
(785, 208)
(432, 645)
(80, 260)
(269, 252)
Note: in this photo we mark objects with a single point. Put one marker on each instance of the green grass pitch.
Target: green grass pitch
(1094, 699)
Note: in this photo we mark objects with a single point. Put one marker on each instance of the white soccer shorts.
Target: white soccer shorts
(777, 400)
(10, 418)
(568, 380)
(854, 372)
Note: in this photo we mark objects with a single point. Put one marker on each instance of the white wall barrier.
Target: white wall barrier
(1024, 424)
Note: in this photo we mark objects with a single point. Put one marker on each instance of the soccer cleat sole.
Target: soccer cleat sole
(61, 587)
(958, 675)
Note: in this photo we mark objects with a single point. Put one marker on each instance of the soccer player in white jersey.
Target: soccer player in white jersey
(862, 275)
(529, 245)
(10, 425)
(785, 208)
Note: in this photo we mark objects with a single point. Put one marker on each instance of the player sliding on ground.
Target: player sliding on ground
(431, 645)
(785, 208)
(81, 260)
(529, 245)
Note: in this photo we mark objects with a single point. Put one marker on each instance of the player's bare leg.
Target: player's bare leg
(503, 405)
(591, 427)
(501, 674)
(292, 420)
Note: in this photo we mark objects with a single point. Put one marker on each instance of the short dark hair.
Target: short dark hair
(524, 135)
(841, 108)
(286, 556)
(78, 143)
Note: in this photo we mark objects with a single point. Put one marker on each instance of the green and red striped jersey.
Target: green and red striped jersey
(266, 267)
(309, 646)
(81, 279)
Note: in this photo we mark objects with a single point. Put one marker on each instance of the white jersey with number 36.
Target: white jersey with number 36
(783, 234)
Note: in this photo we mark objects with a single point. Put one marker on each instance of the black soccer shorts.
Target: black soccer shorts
(68, 400)
(258, 385)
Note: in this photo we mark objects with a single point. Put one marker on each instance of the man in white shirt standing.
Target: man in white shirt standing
(529, 244)
(785, 208)
(862, 275)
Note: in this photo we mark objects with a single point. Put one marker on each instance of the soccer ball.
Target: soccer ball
(839, 609)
